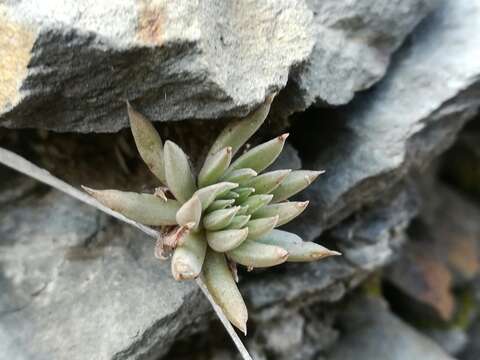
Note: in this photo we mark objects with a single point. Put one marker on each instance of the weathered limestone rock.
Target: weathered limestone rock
(354, 41)
(432, 89)
(372, 332)
(77, 285)
(69, 65)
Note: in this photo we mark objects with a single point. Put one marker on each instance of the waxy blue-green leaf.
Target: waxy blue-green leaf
(243, 210)
(188, 257)
(267, 182)
(149, 143)
(243, 194)
(178, 173)
(295, 182)
(214, 167)
(260, 227)
(144, 208)
(298, 250)
(219, 219)
(256, 202)
(239, 221)
(220, 283)
(225, 240)
(190, 212)
(228, 195)
(220, 204)
(286, 211)
(208, 194)
(238, 132)
(261, 156)
(256, 255)
(240, 176)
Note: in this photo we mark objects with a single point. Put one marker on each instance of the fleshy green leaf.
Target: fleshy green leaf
(239, 221)
(261, 156)
(286, 211)
(254, 254)
(238, 132)
(190, 212)
(228, 195)
(240, 176)
(149, 143)
(295, 182)
(225, 240)
(243, 193)
(144, 208)
(188, 258)
(220, 204)
(256, 202)
(179, 176)
(209, 193)
(298, 250)
(221, 284)
(260, 227)
(219, 219)
(243, 210)
(214, 167)
(266, 183)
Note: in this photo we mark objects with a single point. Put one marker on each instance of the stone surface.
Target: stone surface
(370, 239)
(79, 286)
(354, 41)
(472, 351)
(70, 65)
(370, 331)
(408, 119)
(443, 254)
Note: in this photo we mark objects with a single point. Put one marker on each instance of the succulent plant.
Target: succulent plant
(226, 215)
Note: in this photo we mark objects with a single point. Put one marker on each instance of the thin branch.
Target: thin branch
(20, 164)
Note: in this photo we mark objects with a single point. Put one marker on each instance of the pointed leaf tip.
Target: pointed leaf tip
(214, 166)
(269, 181)
(178, 173)
(286, 211)
(221, 284)
(148, 142)
(238, 132)
(299, 250)
(259, 157)
(295, 182)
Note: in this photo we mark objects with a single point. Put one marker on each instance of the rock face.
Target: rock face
(75, 285)
(170, 59)
(353, 44)
(372, 332)
(408, 119)
(78, 285)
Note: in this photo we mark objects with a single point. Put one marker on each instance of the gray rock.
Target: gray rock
(76, 285)
(71, 65)
(472, 351)
(370, 239)
(354, 41)
(452, 340)
(370, 331)
(414, 114)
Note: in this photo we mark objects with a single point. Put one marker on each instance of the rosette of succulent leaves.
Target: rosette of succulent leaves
(225, 215)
